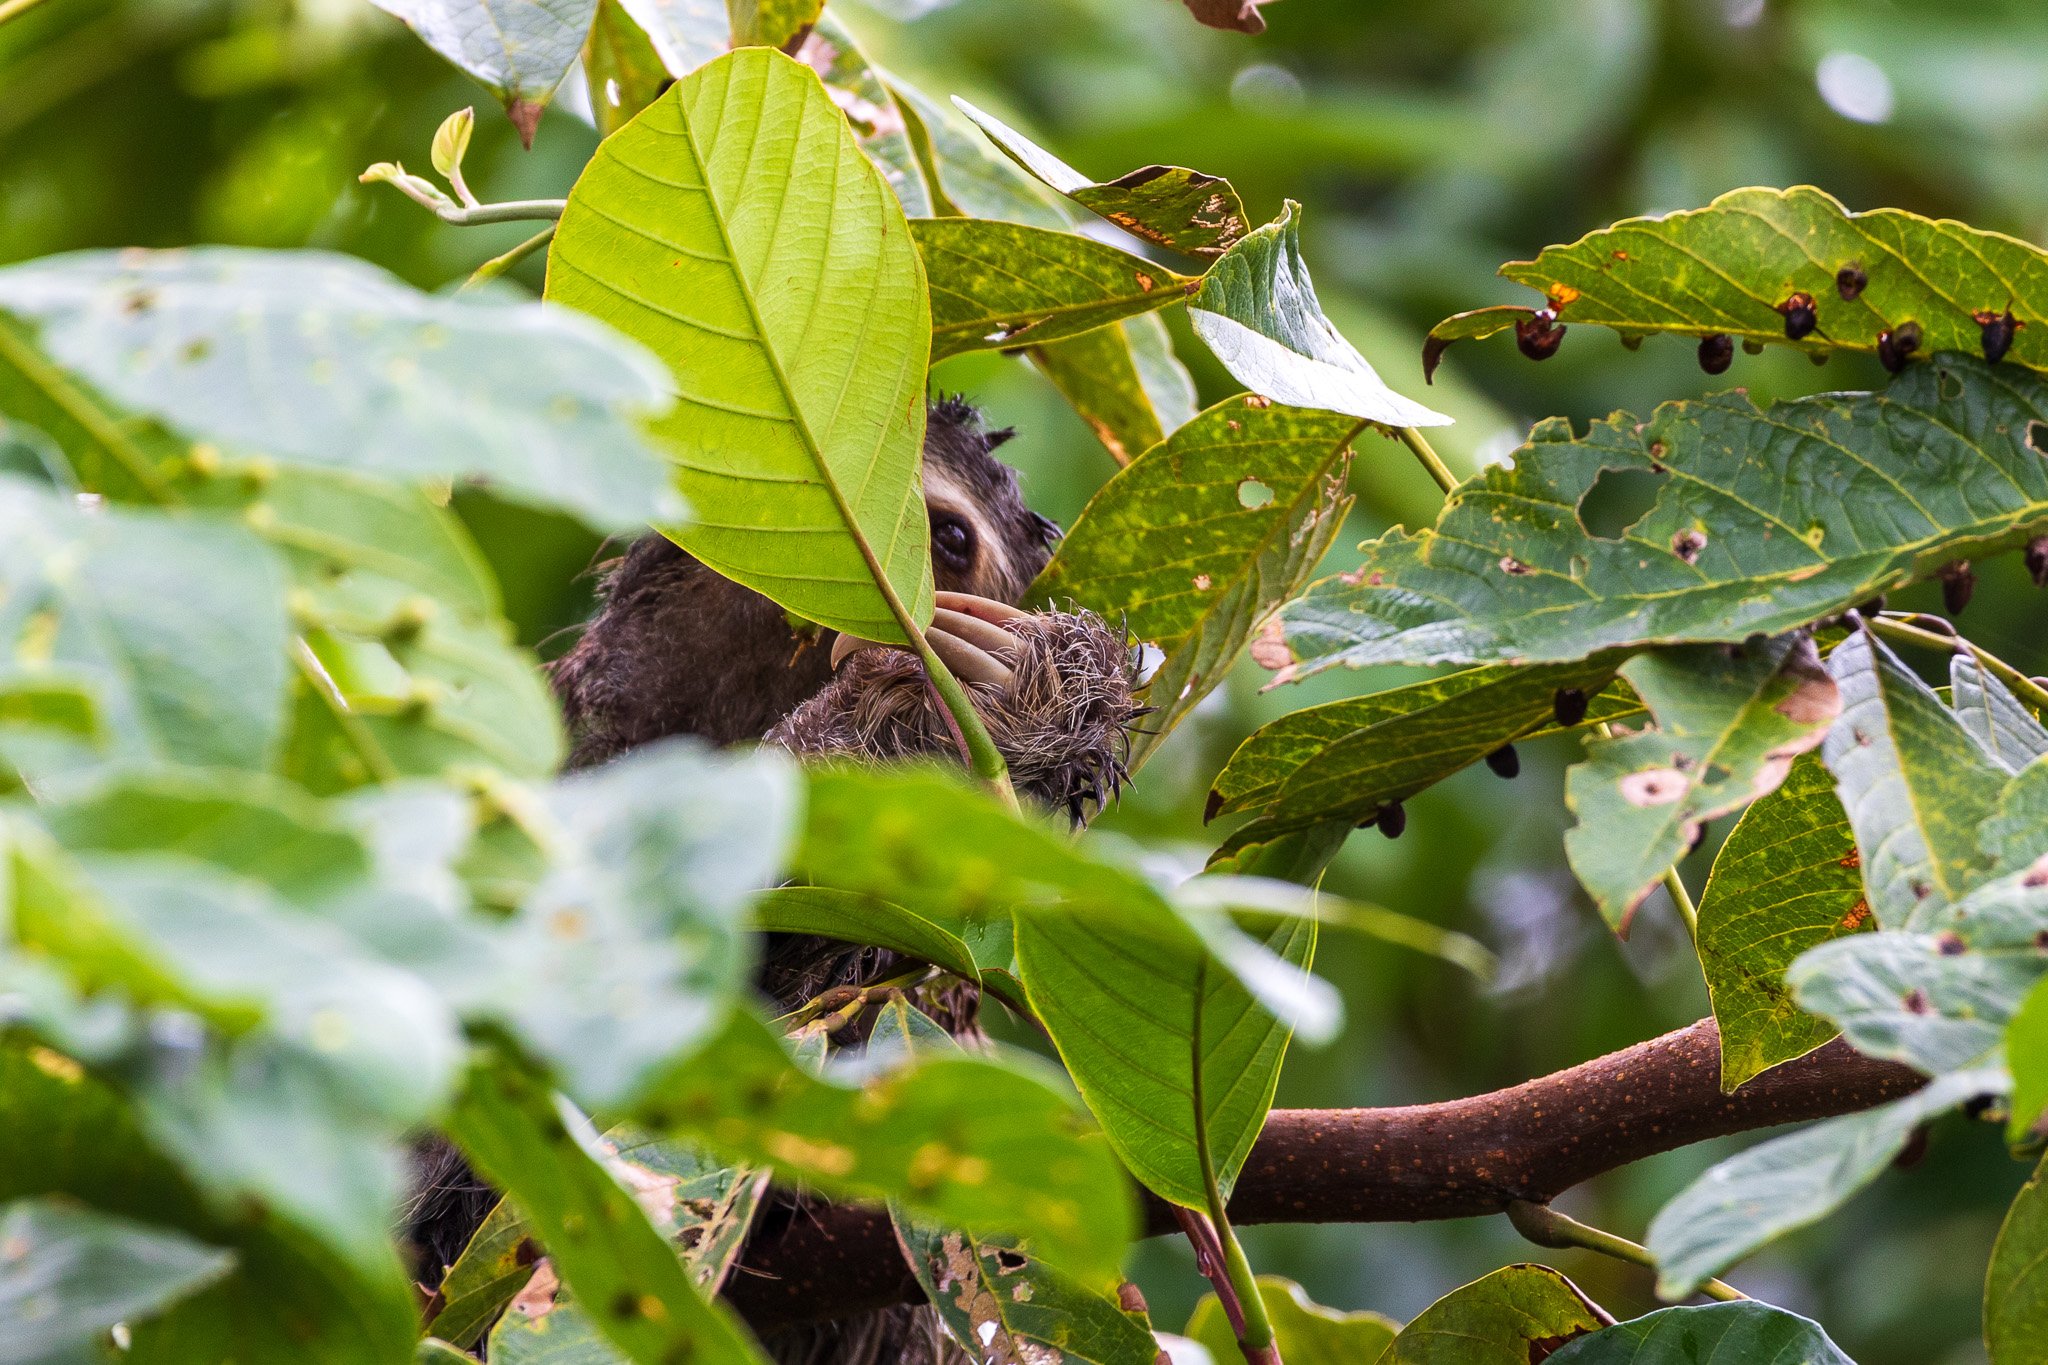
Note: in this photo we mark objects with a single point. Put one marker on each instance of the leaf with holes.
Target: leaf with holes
(1198, 541)
(999, 1302)
(603, 1236)
(1169, 206)
(1344, 760)
(1793, 267)
(997, 285)
(1257, 310)
(1511, 1317)
(1305, 1332)
(1789, 877)
(1714, 1331)
(1789, 1182)
(311, 358)
(1867, 492)
(1914, 782)
(1124, 381)
(521, 49)
(1727, 725)
(68, 1275)
(737, 228)
(1173, 1055)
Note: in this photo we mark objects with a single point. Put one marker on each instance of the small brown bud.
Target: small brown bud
(1717, 352)
(1569, 706)
(1393, 818)
(1800, 314)
(1998, 331)
(1849, 281)
(1896, 347)
(2036, 559)
(1873, 606)
(1540, 334)
(1958, 582)
(1504, 761)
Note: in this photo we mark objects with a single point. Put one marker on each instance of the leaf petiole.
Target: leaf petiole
(1546, 1227)
(983, 757)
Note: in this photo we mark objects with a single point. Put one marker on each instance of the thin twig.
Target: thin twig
(1546, 1227)
(498, 265)
(1896, 625)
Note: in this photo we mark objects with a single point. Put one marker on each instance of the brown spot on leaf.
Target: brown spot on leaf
(537, 1299)
(1949, 943)
(1688, 544)
(1269, 647)
(1858, 913)
(1510, 565)
(2037, 875)
(1654, 787)
(1916, 1002)
(1145, 282)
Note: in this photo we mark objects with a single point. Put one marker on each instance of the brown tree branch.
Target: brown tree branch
(1458, 1159)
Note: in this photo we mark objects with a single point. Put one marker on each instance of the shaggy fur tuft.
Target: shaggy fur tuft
(1061, 724)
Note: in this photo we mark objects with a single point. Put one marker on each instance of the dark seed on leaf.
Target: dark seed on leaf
(1998, 330)
(1393, 819)
(2037, 560)
(1949, 943)
(1849, 281)
(1504, 761)
(1896, 347)
(1873, 606)
(1958, 582)
(1569, 706)
(1539, 335)
(1717, 352)
(1800, 315)
(1914, 1152)
(1819, 358)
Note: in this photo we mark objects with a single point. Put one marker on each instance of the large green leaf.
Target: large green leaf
(602, 1237)
(1764, 521)
(1001, 1303)
(1306, 1332)
(1195, 544)
(1710, 1332)
(1342, 761)
(854, 918)
(310, 358)
(1915, 784)
(877, 122)
(1788, 878)
(981, 1142)
(1727, 726)
(1173, 1054)
(1733, 265)
(738, 230)
(1169, 206)
(521, 49)
(1790, 1182)
(1257, 310)
(2016, 1286)
(69, 1274)
(177, 626)
(998, 285)
(1506, 1318)
(1124, 381)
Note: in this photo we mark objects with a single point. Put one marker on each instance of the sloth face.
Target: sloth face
(985, 541)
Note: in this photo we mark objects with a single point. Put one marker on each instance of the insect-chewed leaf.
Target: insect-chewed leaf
(1735, 267)
(1001, 1303)
(738, 229)
(68, 1275)
(1727, 726)
(603, 1236)
(1343, 760)
(2010, 734)
(521, 49)
(311, 358)
(1169, 206)
(968, 1141)
(1258, 311)
(1305, 1332)
(1715, 1331)
(1172, 1053)
(1792, 1181)
(1124, 381)
(1788, 878)
(1870, 491)
(1203, 536)
(1914, 782)
(1506, 1318)
(997, 285)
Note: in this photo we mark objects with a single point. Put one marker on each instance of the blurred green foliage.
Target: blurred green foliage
(1431, 143)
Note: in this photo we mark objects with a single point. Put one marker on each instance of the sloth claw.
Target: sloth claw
(964, 635)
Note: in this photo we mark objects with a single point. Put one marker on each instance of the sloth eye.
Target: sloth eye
(953, 540)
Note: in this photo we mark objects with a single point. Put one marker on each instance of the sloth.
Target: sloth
(677, 649)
